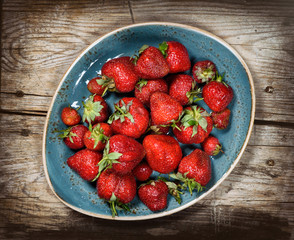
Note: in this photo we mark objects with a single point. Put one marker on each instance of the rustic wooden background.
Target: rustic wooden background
(41, 38)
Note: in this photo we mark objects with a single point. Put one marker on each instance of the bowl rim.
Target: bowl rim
(180, 208)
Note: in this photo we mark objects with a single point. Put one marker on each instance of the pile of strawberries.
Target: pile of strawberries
(122, 149)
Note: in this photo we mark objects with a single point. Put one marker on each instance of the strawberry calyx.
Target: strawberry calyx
(107, 160)
(205, 74)
(189, 183)
(173, 189)
(163, 48)
(115, 205)
(173, 123)
(122, 112)
(141, 84)
(91, 109)
(107, 83)
(97, 134)
(219, 78)
(217, 149)
(193, 95)
(67, 133)
(194, 117)
(135, 57)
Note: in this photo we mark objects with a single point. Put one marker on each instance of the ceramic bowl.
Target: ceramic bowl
(81, 195)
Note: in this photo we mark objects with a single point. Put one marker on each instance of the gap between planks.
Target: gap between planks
(44, 114)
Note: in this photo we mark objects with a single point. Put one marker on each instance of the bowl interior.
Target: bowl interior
(82, 195)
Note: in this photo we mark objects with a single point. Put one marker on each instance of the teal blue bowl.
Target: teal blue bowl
(81, 195)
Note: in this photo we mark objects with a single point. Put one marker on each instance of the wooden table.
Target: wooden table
(40, 39)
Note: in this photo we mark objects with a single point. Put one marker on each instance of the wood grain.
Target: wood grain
(35, 56)
(255, 190)
(39, 41)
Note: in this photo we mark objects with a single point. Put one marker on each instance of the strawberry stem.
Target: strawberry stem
(115, 205)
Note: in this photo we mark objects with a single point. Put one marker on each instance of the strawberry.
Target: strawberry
(144, 89)
(184, 89)
(118, 189)
(197, 165)
(194, 127)
(130, 118)
(142, 171)
(151, 64)
(94, 87)
(85, 163)
(154, 195)
(164, 109)
(163, 152)
(70, 116)
(204, 71)
(194, 171)
(95, 138)
(121, 153)
(73, 136)
(176, 55)
(118, 74)
(211, 146)
(221, 119)
(217, 94)
(95, 110)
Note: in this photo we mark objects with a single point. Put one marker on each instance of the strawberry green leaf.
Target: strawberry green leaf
(195, 130)
(188, 183)
(141, 84)
(67, 133)
(163, 48)
(203, 123)
(91, 109)
(205, 74)
(122, 112)
(114, 155)
(173, 189)
(143, 48)
(107, 160)
(115, 205)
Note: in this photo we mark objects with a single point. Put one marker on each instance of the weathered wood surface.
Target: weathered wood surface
(40, 39)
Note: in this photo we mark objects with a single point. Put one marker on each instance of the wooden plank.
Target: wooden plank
(40, 41)
(259, 193)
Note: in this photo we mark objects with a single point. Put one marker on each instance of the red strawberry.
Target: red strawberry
(176, 55)
(163, 153)
(217, 94)
(95, 110)
(194, 127)
(184, 89)
(85, 163)
(196, 165)
(194, 171)
(73, 136)
(144, 89)
(211, 146)
(151, 64)
(154, 195)
(118, 189)
(164, 109)
(142, 171)
(119, 75)
(130, 118)
(95, 138)
(204, 71)
(221, 119)
(94, 87)
(121, 153)
(70, 116)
